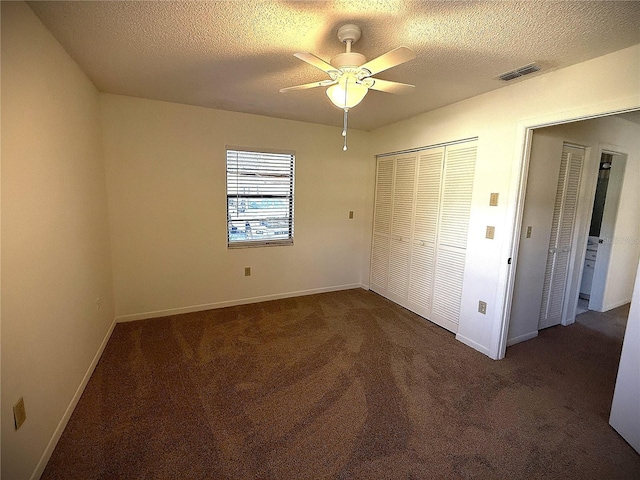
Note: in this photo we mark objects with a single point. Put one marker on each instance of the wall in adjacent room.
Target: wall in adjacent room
(55, 240)
(166, 170)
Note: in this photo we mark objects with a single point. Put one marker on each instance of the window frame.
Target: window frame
(250, 243)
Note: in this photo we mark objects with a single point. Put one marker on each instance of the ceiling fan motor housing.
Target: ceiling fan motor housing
(348, 59)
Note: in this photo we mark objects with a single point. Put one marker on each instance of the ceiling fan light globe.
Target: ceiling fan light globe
(355, 94)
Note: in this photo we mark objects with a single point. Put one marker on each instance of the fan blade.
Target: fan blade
(390, 59)
(391, 87)
(322, 83)
(311, 59)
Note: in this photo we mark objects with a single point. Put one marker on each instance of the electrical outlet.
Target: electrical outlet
(482, 307)
(19, 413)
(493, 200)
(529, 231)
(490, 232)
(350, 214)
(247, 271)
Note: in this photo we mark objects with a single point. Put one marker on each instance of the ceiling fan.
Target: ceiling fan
(351, 75)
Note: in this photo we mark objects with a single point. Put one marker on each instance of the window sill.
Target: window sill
(260, 243)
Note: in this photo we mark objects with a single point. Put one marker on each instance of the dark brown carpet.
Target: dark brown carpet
(341, 385)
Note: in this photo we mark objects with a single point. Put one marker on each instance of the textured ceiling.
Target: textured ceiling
(236, 55)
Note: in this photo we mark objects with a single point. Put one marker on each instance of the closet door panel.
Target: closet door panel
(457, 188)
(401, 225)
(563, 220)
(447, 293)
(384, 192)
(382, 225)
(399, 270)
(403, 193)
(379, 263)
(428, 178)
(453, 228)
(421, 278)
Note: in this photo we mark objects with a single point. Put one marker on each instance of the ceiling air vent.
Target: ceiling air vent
(519, 72)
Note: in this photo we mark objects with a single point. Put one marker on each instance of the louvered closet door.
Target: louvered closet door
(382, 225)
(453, 227)
(564, 214)
(423, 245)
(421, 217)
(401, 226)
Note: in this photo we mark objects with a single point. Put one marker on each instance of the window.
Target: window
(259, 198)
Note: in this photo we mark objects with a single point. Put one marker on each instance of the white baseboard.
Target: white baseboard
(522, 338)
(475, 345)
(611, 306)
(231, 303)
(72, 405)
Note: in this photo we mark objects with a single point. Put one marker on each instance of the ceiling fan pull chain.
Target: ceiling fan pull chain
(344, 129)
(346, 112)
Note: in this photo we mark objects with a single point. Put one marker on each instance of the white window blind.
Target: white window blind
(259, 198)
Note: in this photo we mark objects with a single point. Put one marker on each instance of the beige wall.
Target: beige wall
(499, 119)
(55, 240)
(614, 134)
(167, 203)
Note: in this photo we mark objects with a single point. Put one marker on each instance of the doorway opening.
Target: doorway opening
(543, 210)
(601, 233)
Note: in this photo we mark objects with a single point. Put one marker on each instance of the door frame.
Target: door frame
(524, 134)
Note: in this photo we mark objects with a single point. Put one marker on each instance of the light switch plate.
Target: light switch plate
(529, 231)
(490, 232)
(350, 214)
(247, 271)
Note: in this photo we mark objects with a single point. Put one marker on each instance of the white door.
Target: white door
(562, 225)
(598, 300)
(453, 227)
(382, 225)
(401, 225)
(423, 244)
